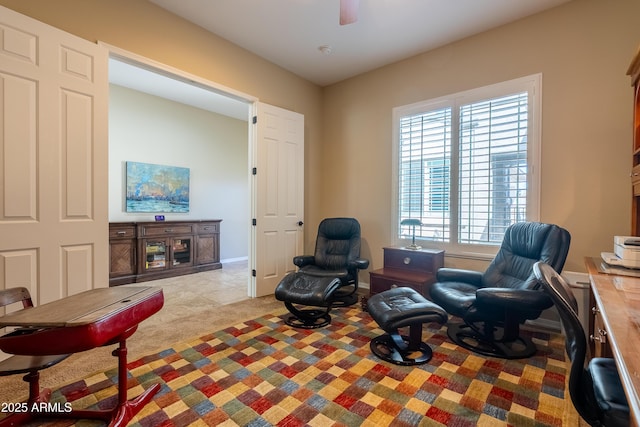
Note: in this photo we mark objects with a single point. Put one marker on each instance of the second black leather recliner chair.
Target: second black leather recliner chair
(337, 254)
(493, 304)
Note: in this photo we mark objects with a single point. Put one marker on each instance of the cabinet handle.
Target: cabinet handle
(121, 233)
(594, 310)
(601, 337)
(407, 261)
(595, 338)
(168, 230)
(394, 286)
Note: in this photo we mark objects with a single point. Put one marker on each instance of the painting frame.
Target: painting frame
(156, 188)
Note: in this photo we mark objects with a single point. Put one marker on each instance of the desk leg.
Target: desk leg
(125, 410)
(36, 396)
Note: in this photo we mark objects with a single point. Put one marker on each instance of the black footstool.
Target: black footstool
(303, 289)
(398, 308)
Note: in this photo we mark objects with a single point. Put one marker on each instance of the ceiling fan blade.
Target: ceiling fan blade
(348, 11)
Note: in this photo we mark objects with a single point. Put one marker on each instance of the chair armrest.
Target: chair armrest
(302, 260)
(513, 298)
(459, 275)
(360, 263)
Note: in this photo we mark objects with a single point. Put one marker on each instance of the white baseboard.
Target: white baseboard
(238, 259)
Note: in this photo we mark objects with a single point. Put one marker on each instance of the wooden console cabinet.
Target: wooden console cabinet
(153, 250)
(405, 267)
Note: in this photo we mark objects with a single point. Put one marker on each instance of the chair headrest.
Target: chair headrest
(524, 244)
(339, 228)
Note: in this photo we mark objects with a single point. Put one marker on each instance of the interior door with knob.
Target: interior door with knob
(279, 202)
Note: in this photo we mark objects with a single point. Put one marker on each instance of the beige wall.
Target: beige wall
(582, 49)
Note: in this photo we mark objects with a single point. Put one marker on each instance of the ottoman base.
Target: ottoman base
(399, 350)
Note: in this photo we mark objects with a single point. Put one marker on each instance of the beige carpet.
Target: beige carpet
(194, 305)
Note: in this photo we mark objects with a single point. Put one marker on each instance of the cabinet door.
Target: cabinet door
(122, 250)
(154, 255)
(207, 249)
(181, 252)
(122, 256)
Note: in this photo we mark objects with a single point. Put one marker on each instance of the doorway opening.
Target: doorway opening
(164, 116)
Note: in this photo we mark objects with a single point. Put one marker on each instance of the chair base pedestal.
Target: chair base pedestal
(20, 418)
(467, 337)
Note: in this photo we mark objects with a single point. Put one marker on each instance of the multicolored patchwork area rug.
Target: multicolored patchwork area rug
(263, 372)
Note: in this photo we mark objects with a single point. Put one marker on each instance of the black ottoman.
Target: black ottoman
(398, 308)
(303, 289)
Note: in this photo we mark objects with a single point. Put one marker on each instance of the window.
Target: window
(465, 164)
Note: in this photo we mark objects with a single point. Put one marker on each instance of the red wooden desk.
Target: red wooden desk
(81, 322)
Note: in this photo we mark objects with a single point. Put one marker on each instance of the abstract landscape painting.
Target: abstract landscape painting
(157, 188)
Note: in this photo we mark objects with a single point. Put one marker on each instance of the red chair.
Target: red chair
(29, 365)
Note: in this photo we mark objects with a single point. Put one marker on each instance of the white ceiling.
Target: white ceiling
(290, 32)
(159, 84)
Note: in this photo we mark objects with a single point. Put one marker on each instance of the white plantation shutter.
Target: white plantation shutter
(425, 152)
(464, 164)
(493, 168)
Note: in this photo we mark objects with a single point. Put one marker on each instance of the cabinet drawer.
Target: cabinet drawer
(413, 260)
(122, 232)
(167, 229)
(208, 228)
(380, 284)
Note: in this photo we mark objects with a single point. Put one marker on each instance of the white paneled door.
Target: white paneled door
(279, 179)
(53, 159)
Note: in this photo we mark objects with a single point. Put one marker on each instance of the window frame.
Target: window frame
(531, 84)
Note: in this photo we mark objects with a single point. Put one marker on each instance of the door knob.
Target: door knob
(300, 223)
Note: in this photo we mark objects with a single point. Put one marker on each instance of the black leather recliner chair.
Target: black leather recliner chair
(596, 392)
(337, 254)
(493, 304)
